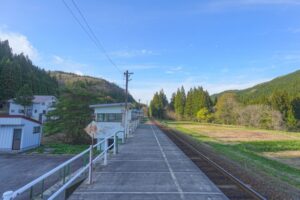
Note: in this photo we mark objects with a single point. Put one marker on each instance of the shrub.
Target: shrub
(260, 116)
(203, 115)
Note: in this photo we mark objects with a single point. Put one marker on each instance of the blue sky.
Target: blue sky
(219, 44)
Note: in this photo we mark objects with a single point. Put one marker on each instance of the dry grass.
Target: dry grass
(231, 134)
(291, 158)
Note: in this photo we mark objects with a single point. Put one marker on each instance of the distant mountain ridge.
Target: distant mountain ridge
(289, 83)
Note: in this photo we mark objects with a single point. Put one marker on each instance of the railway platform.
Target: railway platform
(150, 166)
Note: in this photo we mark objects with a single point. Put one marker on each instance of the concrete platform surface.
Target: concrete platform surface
(149, 166)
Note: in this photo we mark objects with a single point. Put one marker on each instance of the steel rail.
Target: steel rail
(239, 182)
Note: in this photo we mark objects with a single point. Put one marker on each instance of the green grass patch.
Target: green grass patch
(250, 159)
(60, 148)
(270, 146)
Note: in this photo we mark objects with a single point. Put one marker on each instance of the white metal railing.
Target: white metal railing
(9, 195)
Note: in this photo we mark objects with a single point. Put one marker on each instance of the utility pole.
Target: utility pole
(127, 79)
(139, 104)
(127, 76)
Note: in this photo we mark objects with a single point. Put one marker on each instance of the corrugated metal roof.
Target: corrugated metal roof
(39, 98)
(20, 116)
(109, 105)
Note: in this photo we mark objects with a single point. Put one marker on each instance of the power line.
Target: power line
(90, 32)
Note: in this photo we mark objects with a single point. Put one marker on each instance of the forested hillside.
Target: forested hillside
(18, 70)
(106, 91)
(260, 93)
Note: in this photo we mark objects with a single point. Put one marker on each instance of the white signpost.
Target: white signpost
(91, 130)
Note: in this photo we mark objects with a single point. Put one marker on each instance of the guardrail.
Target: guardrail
(67, 178)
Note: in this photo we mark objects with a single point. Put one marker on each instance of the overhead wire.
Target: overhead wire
(89, 31)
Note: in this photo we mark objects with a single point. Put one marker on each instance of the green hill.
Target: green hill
(107, 91)
(289, 83)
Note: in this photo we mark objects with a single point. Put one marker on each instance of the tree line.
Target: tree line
(279, 111)
(17, 70)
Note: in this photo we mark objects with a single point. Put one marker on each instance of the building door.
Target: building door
(17, 139)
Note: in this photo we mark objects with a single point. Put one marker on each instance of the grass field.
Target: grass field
(276, 153)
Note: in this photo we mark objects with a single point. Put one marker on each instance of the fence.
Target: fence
(67, 178)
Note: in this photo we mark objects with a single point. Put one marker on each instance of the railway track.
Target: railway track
(230, 185)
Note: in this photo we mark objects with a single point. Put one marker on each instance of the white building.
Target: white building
(41, 105)
(19, 133)
(110, 118)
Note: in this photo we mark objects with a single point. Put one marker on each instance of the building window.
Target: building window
(100, 117)
(12, 110)
(36, 129)
(109, 117)
(21, 111)
(35, 111)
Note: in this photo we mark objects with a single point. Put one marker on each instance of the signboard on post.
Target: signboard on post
(91, 129)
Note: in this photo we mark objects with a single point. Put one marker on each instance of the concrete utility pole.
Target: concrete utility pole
(127, 76)
(127, 79)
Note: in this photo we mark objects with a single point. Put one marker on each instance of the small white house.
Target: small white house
(19, 133)
(110, 118)
(41, 105)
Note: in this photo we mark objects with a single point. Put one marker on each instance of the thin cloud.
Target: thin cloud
(222, 5)
(19, 44)
(287, 57)
(294, 30)
(173, 70)
(131, 53)
(230, 3)
(139, 66)
(68, 65)
(78, 72)
(146, 89)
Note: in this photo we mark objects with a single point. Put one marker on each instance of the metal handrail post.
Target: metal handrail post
(115, 143)
(91, 165)
(123, 138)
(105, 150)
(8, 195)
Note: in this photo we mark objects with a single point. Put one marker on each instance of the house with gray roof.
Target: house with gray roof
(41, 105)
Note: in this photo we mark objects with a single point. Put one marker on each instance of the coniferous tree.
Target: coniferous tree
(280, 101)
(189, 104)
(172, 102)
(24, 97)
(72, 113)
(180, 100)
(295, 106)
